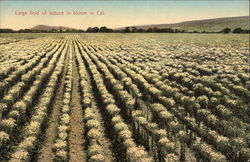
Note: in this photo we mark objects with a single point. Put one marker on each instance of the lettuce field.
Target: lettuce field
(124, 97)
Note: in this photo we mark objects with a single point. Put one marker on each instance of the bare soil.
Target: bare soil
(76, 138)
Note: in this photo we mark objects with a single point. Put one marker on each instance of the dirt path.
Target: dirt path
(76, 139)
(46, 153)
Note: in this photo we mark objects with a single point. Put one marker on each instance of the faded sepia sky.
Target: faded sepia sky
(118, 13)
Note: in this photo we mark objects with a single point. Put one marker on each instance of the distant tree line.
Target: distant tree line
(236, 30)
(151, 30)
(104, 29)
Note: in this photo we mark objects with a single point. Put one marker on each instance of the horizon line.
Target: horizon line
(140, 25)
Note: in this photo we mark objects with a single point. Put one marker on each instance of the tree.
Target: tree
(155, 30)
(246, 31)
(176, 31)
(140, 30)
(92, 30)
(67, 30)
(149, 30)
(24, 31)
(134, 29)
(80, 31)
(6, 31)
(238, 30)
(104, 29)
(127, 30)
(53, 30)
(226, 30)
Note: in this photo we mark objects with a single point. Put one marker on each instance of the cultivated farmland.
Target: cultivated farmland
(124, 97)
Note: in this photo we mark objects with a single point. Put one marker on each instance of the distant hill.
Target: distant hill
(47, 27)
(209, 25)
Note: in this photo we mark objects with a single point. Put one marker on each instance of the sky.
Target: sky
(115, 14)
